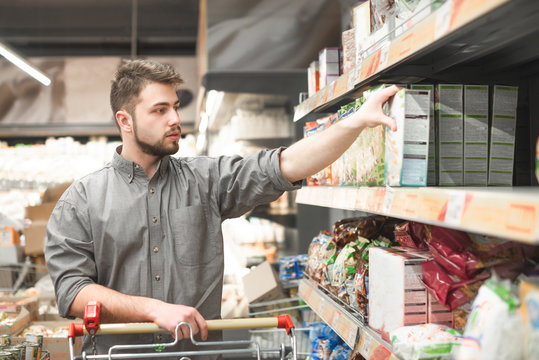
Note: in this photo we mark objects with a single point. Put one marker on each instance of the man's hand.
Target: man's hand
(371, 113)
(168, 316)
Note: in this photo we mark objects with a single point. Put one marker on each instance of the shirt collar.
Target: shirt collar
(130, 168)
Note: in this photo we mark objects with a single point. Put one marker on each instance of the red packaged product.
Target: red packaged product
(449, 290)
(411, 234)
(452, 249)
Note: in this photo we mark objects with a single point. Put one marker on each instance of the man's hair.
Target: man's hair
(133, 76)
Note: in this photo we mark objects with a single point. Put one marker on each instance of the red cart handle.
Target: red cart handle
(92, 317)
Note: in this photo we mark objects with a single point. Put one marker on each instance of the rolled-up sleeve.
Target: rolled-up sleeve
(69, 252)
(251, 181)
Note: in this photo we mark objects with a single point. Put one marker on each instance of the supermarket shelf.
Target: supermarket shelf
(348, 326)
(506, 212)
(463, 39)
(40, 130)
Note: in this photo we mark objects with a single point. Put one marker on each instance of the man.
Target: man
(142, 235)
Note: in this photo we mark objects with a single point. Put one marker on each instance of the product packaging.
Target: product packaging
(432, 175)
(348, 50)
(329, 61)
(313, 78)
(427, 341)
(362, 27)
(476, 135)
(397, 297)
(502, 135)
(406, 150)
(449, 114)
(494, 329)
(529, 298)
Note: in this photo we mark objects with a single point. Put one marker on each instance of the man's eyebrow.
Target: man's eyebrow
(164, 103)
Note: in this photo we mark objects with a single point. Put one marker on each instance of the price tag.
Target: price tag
(321, 306)
(455, 207)
(352, 334)
(388, 200)
(443, 19)
(336, 318)
(365, 344)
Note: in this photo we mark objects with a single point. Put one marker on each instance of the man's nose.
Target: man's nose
(174, 119)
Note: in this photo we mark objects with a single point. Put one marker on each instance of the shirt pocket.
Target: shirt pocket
(190, 232)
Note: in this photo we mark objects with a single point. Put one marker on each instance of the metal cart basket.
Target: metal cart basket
(92, 327)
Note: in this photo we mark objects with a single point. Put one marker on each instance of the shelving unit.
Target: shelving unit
(511, 213)
(350, 327)
(463, 41)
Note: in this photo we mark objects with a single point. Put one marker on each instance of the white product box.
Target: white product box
(449, 113)
(502, 135)
(348, 50)
(313, 78)
(397, 297)
(328, 60)
(407, 149)
(476, 135)
(432, 174)
(362, 27)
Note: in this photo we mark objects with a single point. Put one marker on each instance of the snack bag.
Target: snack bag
(426, 341)
(494, 329)
(529, 297)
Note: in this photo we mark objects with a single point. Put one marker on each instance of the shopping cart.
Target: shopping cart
(92, 326)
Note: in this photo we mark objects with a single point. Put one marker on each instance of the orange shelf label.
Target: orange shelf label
(521, 218)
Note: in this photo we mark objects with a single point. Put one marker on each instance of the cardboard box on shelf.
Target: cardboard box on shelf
(15, 322)
(502, 135)
(10, 254)
(53, 193)
(438, 314)
(406, 150)
(476, 135)
(36, 233)
(397, 297)
(329, 62)
(58, 347)
(262, 284)
(449, 114)
(432, 175)
(15, 304)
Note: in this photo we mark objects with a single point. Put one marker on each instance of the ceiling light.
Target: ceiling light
(23, 65)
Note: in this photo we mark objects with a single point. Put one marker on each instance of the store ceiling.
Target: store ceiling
(99, 28)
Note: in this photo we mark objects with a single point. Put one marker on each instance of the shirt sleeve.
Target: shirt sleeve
(69, 250)
(247, 182)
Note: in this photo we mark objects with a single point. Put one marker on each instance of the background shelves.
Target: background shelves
(510, 213)
(472, 40)
(348, 326)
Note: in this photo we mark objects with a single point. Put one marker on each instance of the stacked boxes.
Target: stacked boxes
(502, 135)
(449, 112)
(432, 172)
(475, 135)
(397, 296)
(328, 60)
(406, 150)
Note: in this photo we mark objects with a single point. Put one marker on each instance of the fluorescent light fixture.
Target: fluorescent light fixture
(24, 65)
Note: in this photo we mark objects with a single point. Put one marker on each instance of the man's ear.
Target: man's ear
(125, 121)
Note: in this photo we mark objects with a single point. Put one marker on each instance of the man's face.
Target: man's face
(156, 123)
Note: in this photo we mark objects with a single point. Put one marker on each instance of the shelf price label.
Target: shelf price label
(455, 207)
(521, 218)
(388, 200)
(443, 19)
(365, 344)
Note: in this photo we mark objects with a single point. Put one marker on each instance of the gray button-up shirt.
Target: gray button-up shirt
(158, 237)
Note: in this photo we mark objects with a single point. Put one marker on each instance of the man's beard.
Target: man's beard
(159, 149)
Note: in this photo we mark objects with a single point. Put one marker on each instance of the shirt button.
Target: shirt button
(157, 277)
(154, 219)
(137, 167)
(159, 338)
(152, 191)
(129, 176)
(155, 249)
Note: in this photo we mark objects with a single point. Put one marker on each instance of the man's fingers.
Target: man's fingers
(202, 326)
(389, 122)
